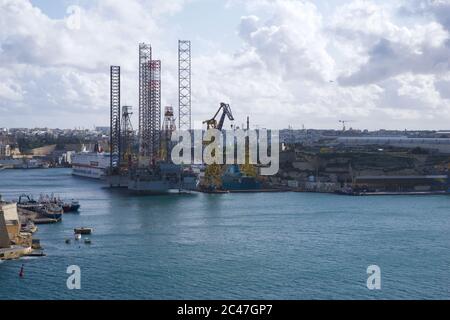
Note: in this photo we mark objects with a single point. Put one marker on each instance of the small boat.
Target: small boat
(67, 241)
(87, 241)
(83, 230)
(73, 206)
(77, 236)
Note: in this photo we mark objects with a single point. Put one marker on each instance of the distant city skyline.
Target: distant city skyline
(283, 63)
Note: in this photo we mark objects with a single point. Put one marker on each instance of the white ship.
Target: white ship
(90, 164)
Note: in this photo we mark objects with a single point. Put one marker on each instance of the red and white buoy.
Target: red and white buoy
(22, 273)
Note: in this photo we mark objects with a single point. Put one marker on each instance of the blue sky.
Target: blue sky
(270, 59)
(195, 21)
(202, 17)
(54, 9)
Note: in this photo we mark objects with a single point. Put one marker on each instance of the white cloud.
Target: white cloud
(295, 65)
(64, 70)
(291, 41)
(389, 49)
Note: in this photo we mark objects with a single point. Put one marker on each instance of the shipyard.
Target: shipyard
(224, 150)
(162, 158)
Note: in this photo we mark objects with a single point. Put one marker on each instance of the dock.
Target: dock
(261, 191)
(36, 253)
(46, 221)
(213, 191)
(405, 193)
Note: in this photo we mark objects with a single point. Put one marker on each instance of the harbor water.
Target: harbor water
(232, 246)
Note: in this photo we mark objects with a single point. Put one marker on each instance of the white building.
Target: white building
(5, 150)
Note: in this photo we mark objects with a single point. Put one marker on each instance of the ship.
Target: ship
(33, 164)
(27, 202)
(51, 211)
(148, 185)
(44, 208)
(162, 179)
(235, 180)
(72, 206)
(93, 165)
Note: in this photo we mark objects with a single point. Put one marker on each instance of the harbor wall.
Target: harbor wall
(10, 211)
(11, 218)
(14, 252)
(4, 238)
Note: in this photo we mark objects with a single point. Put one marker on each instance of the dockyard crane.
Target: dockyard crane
(344, 122)
(226, 112)
(213, 171)
(127, 137)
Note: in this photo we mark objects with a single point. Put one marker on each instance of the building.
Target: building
(441, 145)
(13, 243)
(5, 150)
(103, 130)
(5, 242)
(11, 218)
(402, 183)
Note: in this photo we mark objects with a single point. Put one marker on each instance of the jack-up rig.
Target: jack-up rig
(147, 168)
(144, 165)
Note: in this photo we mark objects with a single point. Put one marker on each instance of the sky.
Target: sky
(299, 63)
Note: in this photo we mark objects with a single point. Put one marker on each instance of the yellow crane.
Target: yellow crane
(226, 112)
(213, 172)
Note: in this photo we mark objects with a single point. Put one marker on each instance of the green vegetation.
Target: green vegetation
(28, 143)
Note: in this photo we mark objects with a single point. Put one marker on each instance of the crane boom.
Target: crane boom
(226, 112)
(344, 122)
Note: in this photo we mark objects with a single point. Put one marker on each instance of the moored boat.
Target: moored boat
(83, 230)
(67, 206)
(51, 211)
(73, 206)
(28, 203)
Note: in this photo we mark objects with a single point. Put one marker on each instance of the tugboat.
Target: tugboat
(73, 206)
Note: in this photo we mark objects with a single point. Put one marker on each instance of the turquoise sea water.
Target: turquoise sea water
(232, 246)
